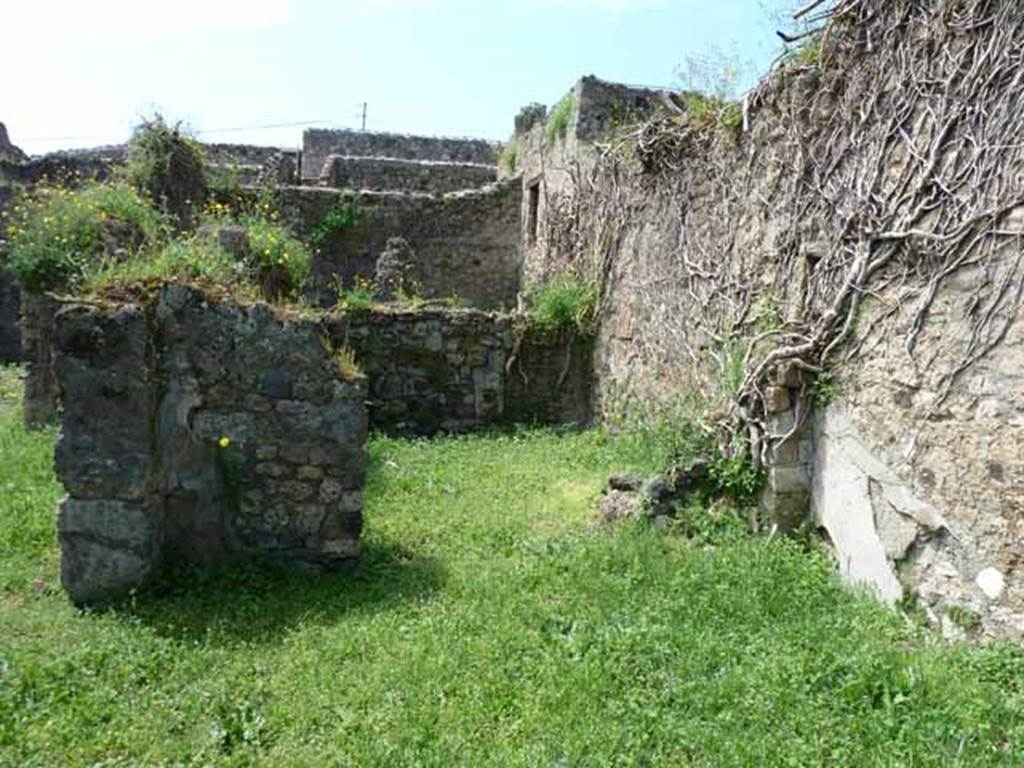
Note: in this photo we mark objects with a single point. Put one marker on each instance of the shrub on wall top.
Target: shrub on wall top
(54, 233)
(566, 302)
(167, 165)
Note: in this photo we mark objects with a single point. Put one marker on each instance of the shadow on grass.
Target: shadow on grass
(260, 603)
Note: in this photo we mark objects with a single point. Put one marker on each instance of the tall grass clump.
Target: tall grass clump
(558, 121)
(563, 303)
(195, 260)
(55, 233)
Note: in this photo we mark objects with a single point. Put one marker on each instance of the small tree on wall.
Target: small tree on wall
(167, 165)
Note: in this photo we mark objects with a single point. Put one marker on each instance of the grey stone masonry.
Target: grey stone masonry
(196, 432)
(318, 143)
(786, 495)
(391, 174)
(465, 244)
(40, 398)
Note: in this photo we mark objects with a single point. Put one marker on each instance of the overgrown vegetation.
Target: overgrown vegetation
(166, 164)
(559, 118)
(566, 302)
(55, 233)
(491, 623)
(509, 156)
(197, 260)
(359, 298)
(340, 218)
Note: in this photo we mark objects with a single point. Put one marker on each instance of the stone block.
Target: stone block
(108, 548)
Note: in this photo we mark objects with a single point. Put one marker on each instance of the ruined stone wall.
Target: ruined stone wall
(39, 403)
(436, 370)
(387, 174)
(196, 432)
(429, 370)
(463, 245)
(318, 143)
(847, 211)
(10, 312)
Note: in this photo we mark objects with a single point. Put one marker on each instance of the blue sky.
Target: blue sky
(81, 73)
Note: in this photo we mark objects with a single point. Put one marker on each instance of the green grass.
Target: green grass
(491, 624)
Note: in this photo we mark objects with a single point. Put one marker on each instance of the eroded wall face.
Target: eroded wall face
(463, 245)
(196, 432)
(318, 144)
(456, 370)
(912, 462)
(388, 174)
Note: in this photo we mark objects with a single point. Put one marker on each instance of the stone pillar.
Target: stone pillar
(10, 315)
(786, 496)
(109, 525)
(40, 402)
(195, 433)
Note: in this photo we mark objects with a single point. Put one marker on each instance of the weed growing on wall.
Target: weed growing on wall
(280, 259)
(824, 388)
(509, 157)
(565, 302)
(55, 233)
(340, 218)
(196, 260)
(167, 165)
(348, 366)
(558, 121)
(359, 298)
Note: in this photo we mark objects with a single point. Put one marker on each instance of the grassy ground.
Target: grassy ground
(490, 625)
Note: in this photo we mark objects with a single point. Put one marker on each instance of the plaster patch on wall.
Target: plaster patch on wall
(872, 517)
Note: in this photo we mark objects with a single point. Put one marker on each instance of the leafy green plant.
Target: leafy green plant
(194, 259)
(340, 218)
(563, 303)
(734, 475)
(166, 164)
(558, 121)
(55, 234)
(280, 259)
(358, 298)
(824, 388)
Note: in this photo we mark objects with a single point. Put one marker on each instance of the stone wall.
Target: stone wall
(318, 143)
(436, 370)
(196, 432)
(39, 402)
(705, 238)
(550, 378)
(10, 313)
(429, 370)
(387, 174)
(463, 245)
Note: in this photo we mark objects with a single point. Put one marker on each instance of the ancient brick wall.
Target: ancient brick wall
(429, 370)
(387, 174)
(464, 245)
(196, 432)
(436, 370)
(10, 312)
(318, 143)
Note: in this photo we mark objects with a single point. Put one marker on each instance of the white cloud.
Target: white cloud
(50, 20)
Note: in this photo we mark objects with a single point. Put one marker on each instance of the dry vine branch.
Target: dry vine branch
(886, 172)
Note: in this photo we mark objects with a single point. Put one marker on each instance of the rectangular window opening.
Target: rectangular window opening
(531, 216)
